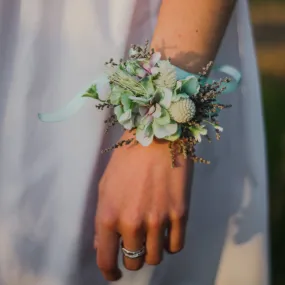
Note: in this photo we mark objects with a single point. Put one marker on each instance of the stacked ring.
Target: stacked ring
(133, 254)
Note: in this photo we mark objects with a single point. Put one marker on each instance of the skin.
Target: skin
(141, 198)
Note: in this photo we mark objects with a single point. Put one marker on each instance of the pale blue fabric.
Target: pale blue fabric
(78, 101)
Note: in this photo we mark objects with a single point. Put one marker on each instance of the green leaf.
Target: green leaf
(190, 85)
(164, 119)
(140, 100)
(175, 136)
(115, 98)
(144, 135)
(126, 101)
(177, 97)
(118, 110)
(166, 97)
(116, 94)
(161, 131)
(92, 92)
(148, 85)
(125, 117)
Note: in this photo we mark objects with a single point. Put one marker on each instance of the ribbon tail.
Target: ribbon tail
(232, 72)
(67, 111)
(72, 107)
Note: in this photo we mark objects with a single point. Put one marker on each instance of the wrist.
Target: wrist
(158, 146)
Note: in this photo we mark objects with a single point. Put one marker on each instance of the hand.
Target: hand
(144, 201)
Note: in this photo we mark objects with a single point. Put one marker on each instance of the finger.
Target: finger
(175, 238)
(133, 240)
(154, 243)
(107, 245)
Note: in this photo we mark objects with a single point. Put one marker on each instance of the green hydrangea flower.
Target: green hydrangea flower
(154, 122)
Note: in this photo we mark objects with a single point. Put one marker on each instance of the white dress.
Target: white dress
(49, 51)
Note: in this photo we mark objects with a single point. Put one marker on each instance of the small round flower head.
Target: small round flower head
(182, 111)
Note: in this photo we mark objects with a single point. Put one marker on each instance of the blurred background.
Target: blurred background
(268, 18)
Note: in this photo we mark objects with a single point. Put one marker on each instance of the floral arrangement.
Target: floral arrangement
(149, 101)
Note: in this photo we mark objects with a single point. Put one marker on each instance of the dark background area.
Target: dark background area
(268, 18)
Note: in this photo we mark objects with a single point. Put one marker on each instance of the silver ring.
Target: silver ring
(133, 254)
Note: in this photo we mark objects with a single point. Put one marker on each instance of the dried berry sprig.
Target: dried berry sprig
(200, 159)
(111, 122)
(111, 62)
(110, 119)
(205, 71)
(101, 106)
(185, 147)
(142, 51)
(218, 135)
(119, 144)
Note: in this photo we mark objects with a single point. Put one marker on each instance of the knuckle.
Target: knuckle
(108, 221)
(132, 225)
(179, 214)
(133, 228)
(155, 221)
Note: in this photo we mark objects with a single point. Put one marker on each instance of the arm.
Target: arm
(140, 196)
(190, 32)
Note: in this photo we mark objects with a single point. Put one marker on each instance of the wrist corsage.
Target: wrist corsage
(153, 99)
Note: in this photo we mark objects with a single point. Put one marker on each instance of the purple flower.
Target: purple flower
(150, 66)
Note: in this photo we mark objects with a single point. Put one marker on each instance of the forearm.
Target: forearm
(190, 31)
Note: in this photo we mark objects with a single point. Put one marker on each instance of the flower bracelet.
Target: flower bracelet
(152, 98)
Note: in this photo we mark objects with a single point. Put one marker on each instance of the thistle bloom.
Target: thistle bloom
(183, 110)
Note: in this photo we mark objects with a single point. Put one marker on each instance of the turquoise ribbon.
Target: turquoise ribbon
(227, 69)
(71, 108)
(78, 101)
